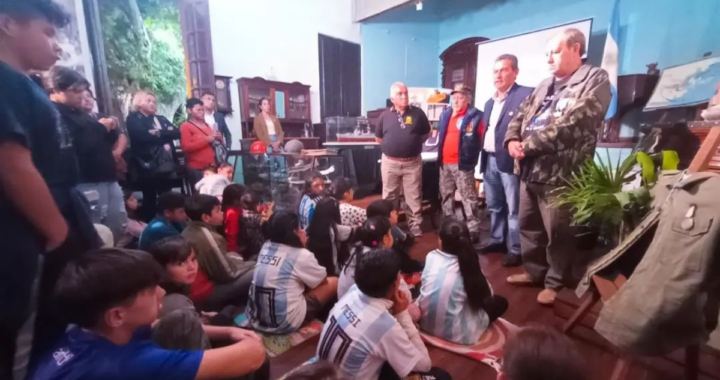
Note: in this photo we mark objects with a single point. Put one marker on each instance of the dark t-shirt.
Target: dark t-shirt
(84, 355)
(27, 117)
(93, 145)
(402, 135)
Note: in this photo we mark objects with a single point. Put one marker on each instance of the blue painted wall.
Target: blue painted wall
(397, 51)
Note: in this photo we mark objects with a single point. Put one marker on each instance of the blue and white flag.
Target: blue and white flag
(611, 57)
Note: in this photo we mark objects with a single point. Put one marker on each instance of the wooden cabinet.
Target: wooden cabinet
(290, 102)
(460, 63)
(222, 94)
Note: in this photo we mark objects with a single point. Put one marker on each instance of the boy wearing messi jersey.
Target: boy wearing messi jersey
(370, 334)
(112, 296)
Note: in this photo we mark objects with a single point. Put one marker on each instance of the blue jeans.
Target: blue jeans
(111, 206)
(502, 192)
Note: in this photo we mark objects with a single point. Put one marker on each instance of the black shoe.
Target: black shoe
(493, 248)
(512, 260)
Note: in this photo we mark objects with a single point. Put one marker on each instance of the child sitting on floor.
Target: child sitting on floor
(327, 238)
(112, 297)
(350, 215)
(135, 226)
(253, 217)
(456, 300)
(373, 234)
(314, 191)
(401, 241)
(541, 353)
(215, 180)
(232, 210)
(230, 274)
(177, 256)
(370, 334)
(280, 302)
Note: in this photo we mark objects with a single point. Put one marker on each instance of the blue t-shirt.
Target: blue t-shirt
(84, 355)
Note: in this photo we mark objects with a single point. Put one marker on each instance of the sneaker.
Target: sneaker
(512, 260)
(520, 279)
(492, 248)
(547, 297)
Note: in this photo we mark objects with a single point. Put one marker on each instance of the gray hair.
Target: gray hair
(396, 85)
(574, 36)
(509, 57)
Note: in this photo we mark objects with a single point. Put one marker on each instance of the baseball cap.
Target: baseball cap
(463, 90)
(258, 147)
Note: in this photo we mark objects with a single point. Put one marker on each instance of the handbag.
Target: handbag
(221, 152)
(159, 161)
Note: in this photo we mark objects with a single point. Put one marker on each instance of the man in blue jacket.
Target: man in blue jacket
(461, 129)
(501, 185)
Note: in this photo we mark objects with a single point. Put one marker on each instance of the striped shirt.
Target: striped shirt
(277, 304)
(446, 313)
(360, 335)
(308, 202)
(347, 275)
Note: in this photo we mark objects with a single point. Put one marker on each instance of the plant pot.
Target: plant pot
(586, 238)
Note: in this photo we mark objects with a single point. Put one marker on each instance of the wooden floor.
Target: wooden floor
(523, 310)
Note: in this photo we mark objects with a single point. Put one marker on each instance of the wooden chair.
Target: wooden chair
(706, 159)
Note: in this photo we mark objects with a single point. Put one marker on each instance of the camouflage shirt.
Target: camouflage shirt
(566, 137)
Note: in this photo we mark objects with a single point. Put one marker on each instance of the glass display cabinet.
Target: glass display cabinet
(349, 129)
(280, 178)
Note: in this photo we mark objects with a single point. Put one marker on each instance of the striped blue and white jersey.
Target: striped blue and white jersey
(308, 202)
(361, 334)
(446, 313)
(277, 304)
(347, 276)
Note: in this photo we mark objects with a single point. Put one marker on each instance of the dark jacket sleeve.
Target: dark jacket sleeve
(139, 133)
(578, 123)
(223, 127)
(169, 131)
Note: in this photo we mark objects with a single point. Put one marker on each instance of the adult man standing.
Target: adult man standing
(461, 129)
(553, 133)
(401, 132)
(502, 186)
(215, 119)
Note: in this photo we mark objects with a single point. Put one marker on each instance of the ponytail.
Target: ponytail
(455, 239)
(370, 235)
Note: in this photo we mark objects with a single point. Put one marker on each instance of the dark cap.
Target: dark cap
(464, 90)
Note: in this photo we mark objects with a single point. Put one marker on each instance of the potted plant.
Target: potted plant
(604, 207)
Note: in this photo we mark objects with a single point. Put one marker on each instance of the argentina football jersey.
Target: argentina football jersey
(446, 313)
(277, 303)
(361, 334)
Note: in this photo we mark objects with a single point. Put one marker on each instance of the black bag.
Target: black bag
(160, 163)
(221, 152)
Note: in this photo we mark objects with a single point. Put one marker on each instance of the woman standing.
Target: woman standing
(267, 128)
(151, 137)
(97, 145)
(197, 140)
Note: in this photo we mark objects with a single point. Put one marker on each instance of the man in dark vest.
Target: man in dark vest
(502, 186)
(461, 129)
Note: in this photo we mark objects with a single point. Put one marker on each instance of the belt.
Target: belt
(401, 159)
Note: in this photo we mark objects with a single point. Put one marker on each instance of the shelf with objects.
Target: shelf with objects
(289, 102)
(280, 178)
(354, 139)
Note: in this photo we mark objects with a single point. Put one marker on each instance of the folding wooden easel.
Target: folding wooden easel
(707, 158)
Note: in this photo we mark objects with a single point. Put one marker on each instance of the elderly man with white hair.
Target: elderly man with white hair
(553, 133)
(401, 132)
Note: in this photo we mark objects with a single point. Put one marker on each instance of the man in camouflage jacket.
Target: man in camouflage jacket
(553, 133)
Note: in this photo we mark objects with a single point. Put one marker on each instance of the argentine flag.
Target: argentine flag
(611, 57)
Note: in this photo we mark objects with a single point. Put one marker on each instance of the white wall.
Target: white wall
(277, 38)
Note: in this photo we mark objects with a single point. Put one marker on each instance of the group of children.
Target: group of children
(171, 313)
